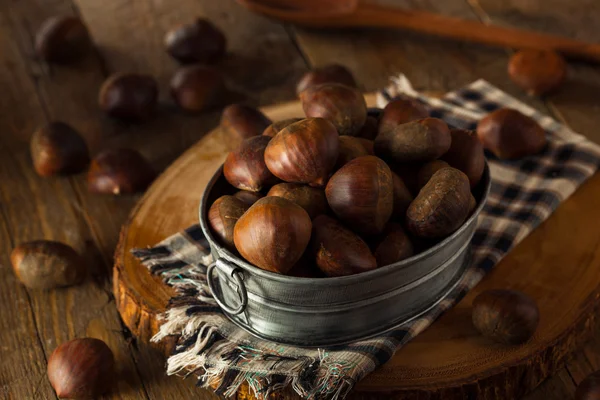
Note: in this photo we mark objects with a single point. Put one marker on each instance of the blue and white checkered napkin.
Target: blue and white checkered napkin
(523, 194)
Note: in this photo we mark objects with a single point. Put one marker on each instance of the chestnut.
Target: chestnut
(332, 73)
(510, 134)
(277, 126)
(505, 316)
(197, 88)
(248, 197)
(342, 105)
(119, 171)
(273, 234)
(223, 215)
(537, 71)
(311, 199)
(417, 141)
(306, 268)
(369, 129)
(350, 148)
(62, 39)
(361, 194)
(472, 205)
(304, 152)
(245, 167)
(441, 206)
(589, 388)
(240, 121)
(57, 148)
(197, 42)
(338, 251)
(402, 198)
(129, 96)
(394, 247)
(81, 369)
(409, 173)
(401, 111)
(427, 170)
(46, 264)
(369, 145)
(466, 154)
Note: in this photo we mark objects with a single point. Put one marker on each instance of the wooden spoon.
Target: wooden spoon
(352, 13)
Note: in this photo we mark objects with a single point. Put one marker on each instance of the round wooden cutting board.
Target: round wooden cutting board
(558, 265)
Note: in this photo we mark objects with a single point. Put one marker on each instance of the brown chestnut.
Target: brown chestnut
(57, 148)
(197, 88)
(332, 73)
(304, 152)
(81, 369)
(339, 251)
(248, 197)
(273, 234)
(350, 148)
(401, 111)
(245, 167)
(198, 42)
(505, 316)
(409, 173)
(441, 206)
(45, 264)
(238, 120)
(589, 388)
(277, 126)
(311, 199)
(417, 141)
(62, 39)
(223, 215)
(119, 171)
(369, 129)
(537, 71)
(472, 204)
(129, 96)
(466, 154)
(394, 247)
(342, 105)
(361, 194)
(368, 144)
(427, 170)
(510, 135)
(402, 198)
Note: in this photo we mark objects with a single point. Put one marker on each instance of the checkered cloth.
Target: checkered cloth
(523, 194)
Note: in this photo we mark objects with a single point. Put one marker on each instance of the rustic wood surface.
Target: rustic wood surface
(263, 62)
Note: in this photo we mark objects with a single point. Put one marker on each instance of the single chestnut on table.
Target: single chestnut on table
(350, 148)
(277, 126)
(394, 247)
(119, 171)
(62, 40)
(310, 198)
(223, 215)
(81, 369)
(589, 388)
(46, 264)
(129, 96)
(273, 234)
(245, 167)
(509, 134)
(248, 197)
(466, 154)
(58, 149)
(241, 121)
(197, 42)
(401, 111)
(198, 88)
(332, 73)
(505, 316)
(537, 71)
(427, 170)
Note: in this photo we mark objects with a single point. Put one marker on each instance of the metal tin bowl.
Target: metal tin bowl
(332, 311)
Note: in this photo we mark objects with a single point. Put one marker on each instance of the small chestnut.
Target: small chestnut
(332, 73)
(304, 152)
(45, 264)
(223, 215)
(369, 129)
(401, 111)
(277, 126)
(197, 88)
(241, 121)
(57, 148)
(506, 316)
(273, 234)
(197, 42)
(311, 199)
(537, 71)
(62, 39)
(119, 171)
(402, 198)
(466, 154)
(589, 388)
(129, 96)
(81, 369)
(245, 167)
(361, 194)
(427, 170)
(350, 148)
(510, 134)
(394, 247)
(342, 105)
(248, 197)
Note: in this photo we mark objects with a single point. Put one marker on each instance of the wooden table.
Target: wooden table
(263, 63)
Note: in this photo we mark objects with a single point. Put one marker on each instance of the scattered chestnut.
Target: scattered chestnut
(81, 369)
(304, 152)
(245, 167)
(57, 148)
(223, 215)
(332, 73)
(361, 194)
(589, 388)
(441, 206)
(311, 199)
(198, 42)
(119, 171)
(402, 198)
(277, 126)
(427, 170)
(62, 39)
(129, 96)
(248, 197)
(466, 154)
(339, 251)
(273, 234)
(506, 316)
(395, 246)
(342, 105)
(369, 129)
(242, 121)
(417, 141)
(350, 148)
(401, 111)
(511, 135)
(537, 71)
(197, 88)
(45, 264)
